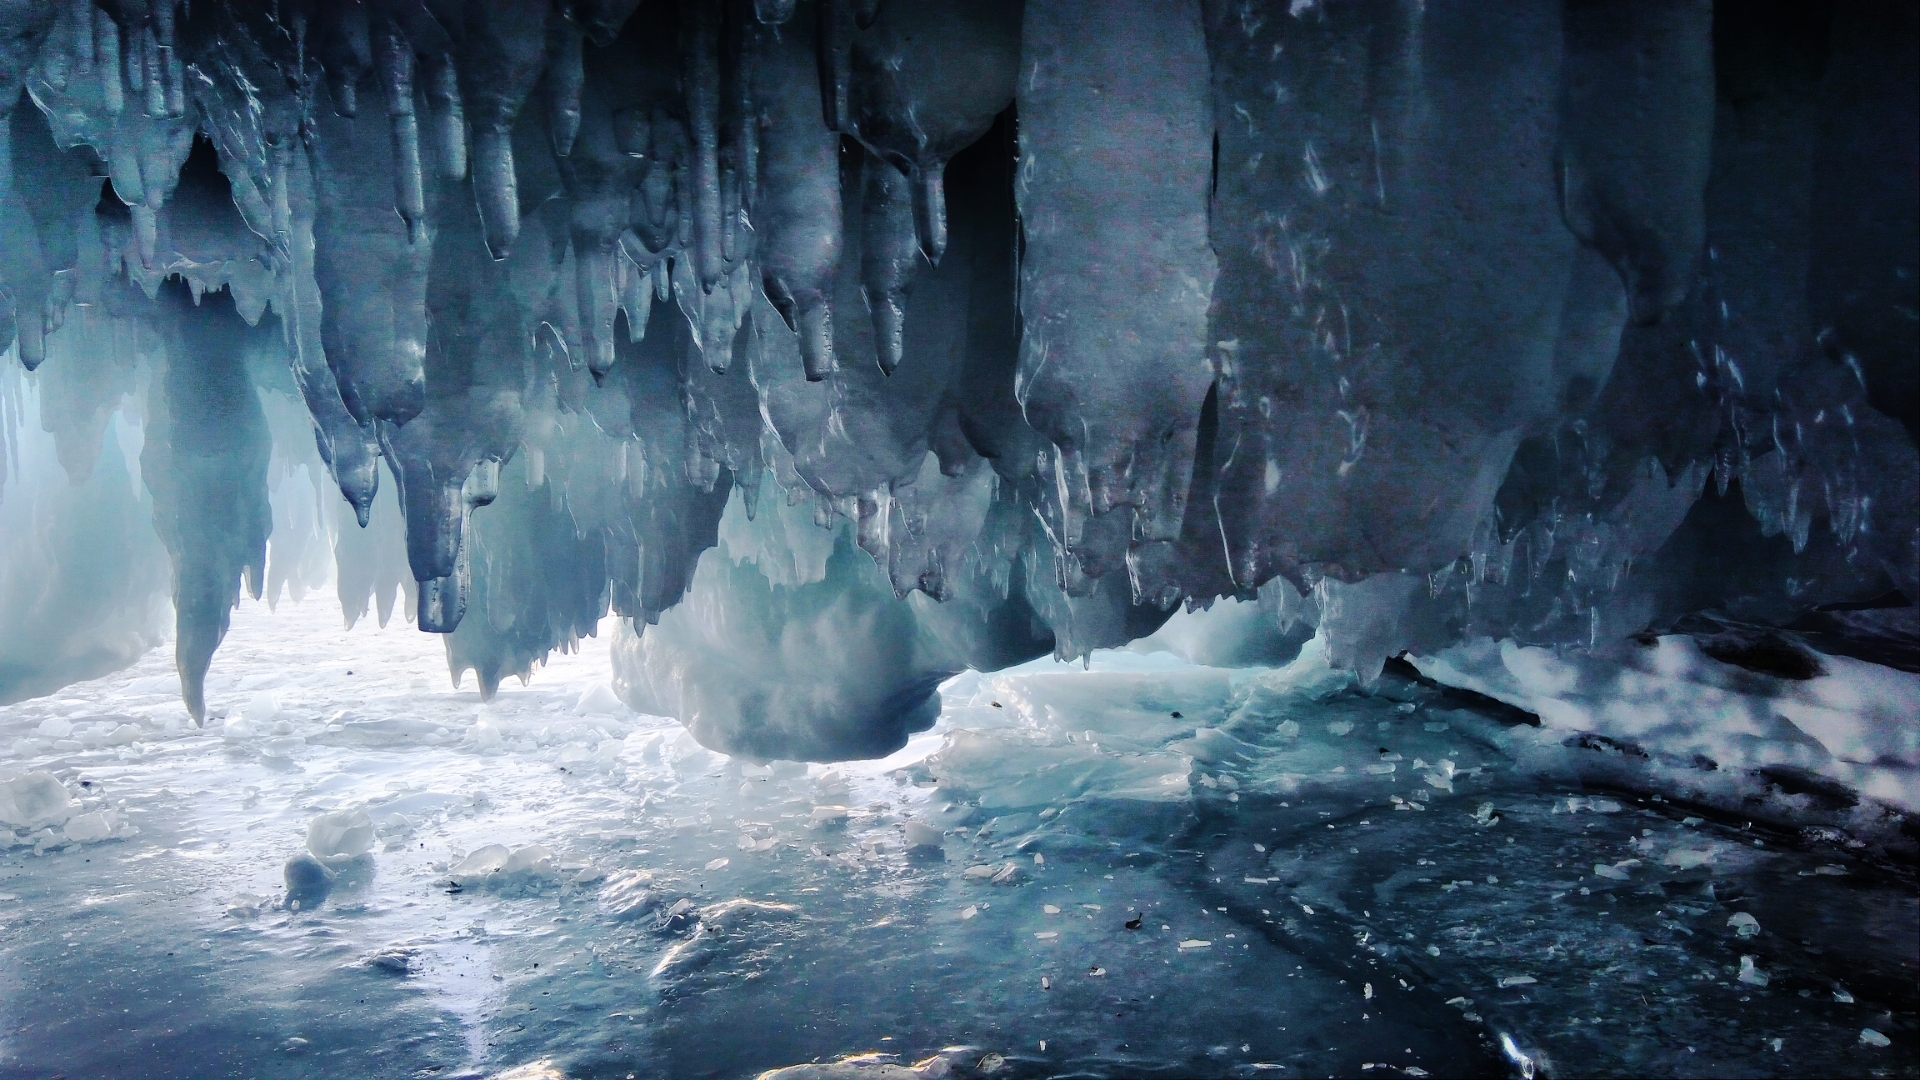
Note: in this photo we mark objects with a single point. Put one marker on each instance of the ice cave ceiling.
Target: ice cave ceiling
(1012, 327)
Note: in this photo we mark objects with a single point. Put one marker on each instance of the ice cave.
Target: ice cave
(959, 539)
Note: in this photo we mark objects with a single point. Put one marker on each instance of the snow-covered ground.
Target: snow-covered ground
(1142, 869)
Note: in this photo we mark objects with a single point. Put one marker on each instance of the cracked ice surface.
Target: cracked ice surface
(1142, 868)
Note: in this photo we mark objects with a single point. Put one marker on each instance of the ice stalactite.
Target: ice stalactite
(1437, 322)
(1116, 272)
(206, 464)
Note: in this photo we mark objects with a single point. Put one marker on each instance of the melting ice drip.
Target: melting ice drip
(1062, 313)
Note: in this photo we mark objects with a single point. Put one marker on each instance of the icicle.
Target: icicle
(108, 66)
(150, 77)
(798, 214)
(637, 299)
(446, 118)
(930, 210)
(564, 78)
(346, 51)
(599, 299)
(773, 12)
(700, 57)
(496, 189)
(833, 42)
(167, 60)
(889, 256)
(396, 78)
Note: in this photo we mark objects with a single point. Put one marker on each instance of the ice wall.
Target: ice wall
(844, 345)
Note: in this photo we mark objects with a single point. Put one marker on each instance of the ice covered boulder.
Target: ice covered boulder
(308, 882)
(34, 801)
(346, 833)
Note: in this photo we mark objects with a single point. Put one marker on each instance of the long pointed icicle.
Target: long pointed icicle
(930, 210)
(565, 76)
(496, 189)
(889, 256)
(447, 122)
(106, 38)
(396, 79)
(701, 51)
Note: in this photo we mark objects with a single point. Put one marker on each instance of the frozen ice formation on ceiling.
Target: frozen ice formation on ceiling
(845, 344)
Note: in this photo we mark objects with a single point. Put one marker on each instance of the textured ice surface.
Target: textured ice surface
(1290, 876)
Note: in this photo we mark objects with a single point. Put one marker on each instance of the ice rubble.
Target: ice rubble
(1428, 325)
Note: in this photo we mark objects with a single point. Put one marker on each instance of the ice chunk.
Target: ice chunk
(479, 864)
(1870, 1037)
(90, 828)
(1744, 925)
(308, 880)
(34, 801)
(629, 895)
(599, 700)
(345, 833)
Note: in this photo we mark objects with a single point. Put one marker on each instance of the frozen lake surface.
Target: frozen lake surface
(1145, 869)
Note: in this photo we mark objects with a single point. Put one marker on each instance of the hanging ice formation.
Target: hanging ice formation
(950, 331)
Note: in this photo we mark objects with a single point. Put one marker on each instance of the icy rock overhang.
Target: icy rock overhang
(1553, 323)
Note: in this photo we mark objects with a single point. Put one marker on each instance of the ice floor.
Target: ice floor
(1147, 869)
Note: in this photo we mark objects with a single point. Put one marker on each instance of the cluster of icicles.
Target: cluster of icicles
(1140, 267)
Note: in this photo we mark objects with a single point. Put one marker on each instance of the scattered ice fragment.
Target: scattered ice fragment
(1039, 859)
(1340, 727)
(1843, 997)
(1870, 1037)
(1367, 992)
(979, 872)
(54, 727)
(921, 834)
(1687, 858)
(36, 800)
(1047, 935)
(89, 828)
(1517, 980)
(1611, 872)
(717, 864)
(1096, 971)
(1195, 943)
(969, 912)
(1744, 924)
(1749, 974)
(1050, 909)
(1046, 983)
(394, 960)
(823, 815)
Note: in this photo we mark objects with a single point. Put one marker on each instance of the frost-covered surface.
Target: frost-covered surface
(1853, 722)
(1146, 868)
